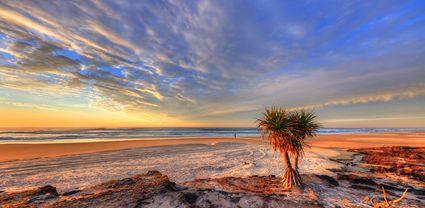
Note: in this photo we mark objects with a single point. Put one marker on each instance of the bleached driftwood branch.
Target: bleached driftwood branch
(386, 203)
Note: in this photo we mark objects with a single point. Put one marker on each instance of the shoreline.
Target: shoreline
(17, 152)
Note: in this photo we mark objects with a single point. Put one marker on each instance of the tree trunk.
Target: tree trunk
(295, 160)
(290, 177)
(286, 160)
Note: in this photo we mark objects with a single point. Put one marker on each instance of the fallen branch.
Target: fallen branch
(386, 203)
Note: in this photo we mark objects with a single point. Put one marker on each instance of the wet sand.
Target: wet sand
(10, 152)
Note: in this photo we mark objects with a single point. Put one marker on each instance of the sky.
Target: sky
(214, 63)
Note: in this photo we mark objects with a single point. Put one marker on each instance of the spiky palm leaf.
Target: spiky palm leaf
(307, 123)
(306, 126)
(277, 126)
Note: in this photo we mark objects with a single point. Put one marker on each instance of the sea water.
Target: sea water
(114, 134)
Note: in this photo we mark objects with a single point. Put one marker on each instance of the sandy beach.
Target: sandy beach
(183, 162)
(76, 165)
(349, 141)
(30, 151)
(344, 141)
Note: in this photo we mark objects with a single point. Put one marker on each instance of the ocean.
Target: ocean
(114, 134)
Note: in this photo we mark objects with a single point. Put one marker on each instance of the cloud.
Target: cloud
(28, 105)
(212, 58)
(385, 96)
(42, 58)
(374, 119)
(407, 93)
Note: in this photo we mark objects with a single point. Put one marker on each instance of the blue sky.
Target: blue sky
(216, 63)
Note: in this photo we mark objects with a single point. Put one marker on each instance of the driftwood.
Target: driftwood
(387, 203)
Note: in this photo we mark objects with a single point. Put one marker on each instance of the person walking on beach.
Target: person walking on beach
(235, 135)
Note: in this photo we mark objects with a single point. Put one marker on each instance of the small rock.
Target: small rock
(362, 187)
(420, 192)
(41, 198)
(48, 190)
(123, 182)
(153, 172)
(355, 179)
(189, 198)
(235, 199)
(171, 187)
(391, 187)
(68, 193)
(328, 179)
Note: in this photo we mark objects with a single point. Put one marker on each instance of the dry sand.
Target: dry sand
(344, 141)
(366, 140)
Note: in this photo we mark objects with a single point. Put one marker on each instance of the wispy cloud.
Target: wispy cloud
(373, 119)
(407, 93)
(204, 58)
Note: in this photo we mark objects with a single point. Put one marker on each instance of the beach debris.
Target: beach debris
(387, 203)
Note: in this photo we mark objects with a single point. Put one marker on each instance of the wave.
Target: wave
(140, 133)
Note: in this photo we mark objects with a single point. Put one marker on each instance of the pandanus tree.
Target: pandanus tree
(286, 132)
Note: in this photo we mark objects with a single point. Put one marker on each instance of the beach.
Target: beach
(343, 141)
(75, 165)
(175, 104)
